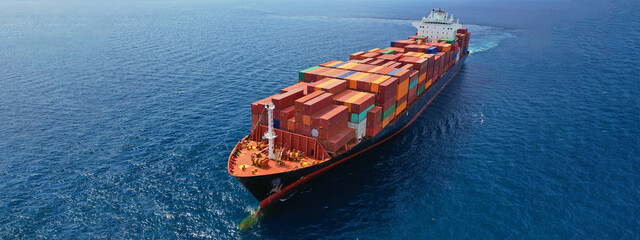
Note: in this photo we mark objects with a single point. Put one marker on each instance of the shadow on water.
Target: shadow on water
(361, 190)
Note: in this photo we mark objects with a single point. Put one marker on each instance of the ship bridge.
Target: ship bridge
(438, 24)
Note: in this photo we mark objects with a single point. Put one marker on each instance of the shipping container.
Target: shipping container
(333, 117)
(281, 101)
(360, 128)
(356, 56)
(315, 104)
(330, 85)
(299, 103)
(258, 106)
(300, 85)
(287, 113)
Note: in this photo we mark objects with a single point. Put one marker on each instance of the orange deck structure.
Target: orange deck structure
(293, 151)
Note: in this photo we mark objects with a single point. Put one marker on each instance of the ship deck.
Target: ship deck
(241, 163)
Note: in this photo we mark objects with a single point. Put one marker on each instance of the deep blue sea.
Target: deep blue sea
(117, 117)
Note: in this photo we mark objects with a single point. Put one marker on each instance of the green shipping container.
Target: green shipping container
(301, 73)
(449, 40)
(358, 117)
(420, 90)
(389, 111)
(389, 52)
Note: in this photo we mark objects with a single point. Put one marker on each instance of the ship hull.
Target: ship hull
(270, 188)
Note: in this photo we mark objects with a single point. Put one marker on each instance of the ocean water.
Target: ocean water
(117, 119)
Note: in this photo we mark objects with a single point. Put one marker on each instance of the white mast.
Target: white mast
(270, 135)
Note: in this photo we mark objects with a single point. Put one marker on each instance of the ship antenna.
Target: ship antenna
(270, 135)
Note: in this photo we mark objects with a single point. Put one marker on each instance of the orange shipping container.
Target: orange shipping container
(330, 63)
(446, 47)
(387, 120)
(400, 106)
(330, 85)
(403, 89)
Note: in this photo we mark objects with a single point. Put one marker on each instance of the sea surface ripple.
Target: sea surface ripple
(118, 117)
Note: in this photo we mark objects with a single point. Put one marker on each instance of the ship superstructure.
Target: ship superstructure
(438, 24)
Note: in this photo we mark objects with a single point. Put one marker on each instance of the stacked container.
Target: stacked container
(358, 104)
(341, 101)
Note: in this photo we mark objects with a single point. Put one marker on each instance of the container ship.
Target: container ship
(340, 109)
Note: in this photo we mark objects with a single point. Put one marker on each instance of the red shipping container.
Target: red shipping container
(258, 119)
(316, 104)
(370, 132)
(300, 85)
(390, 57)
(287, 113)
(411, 95)
(436, 67)
(298, 127)
(258, 107)
(281, 101)
(291, 124)
(454, 47)
(410, 61)
(314, 120)
(306, 130)
(323, 74)
(413, 74)
(388, 63)
(407, 66)
(339, 140)
(430, 70)
(403, 43)
(374, 116)
(332, 73)
(324, 134)
(395, 65)
(333, 117)
(367, 60)
(396, 49)
(370, 55)
(356, 56)
(385, 89)
(385, 70)
(462, 30)
(312, 76)
(298, 116)
(363, 67)
(386, 103)
(364, 84)
(299, 103)
(378, 62)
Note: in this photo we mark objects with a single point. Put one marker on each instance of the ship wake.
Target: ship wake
(486, 37)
